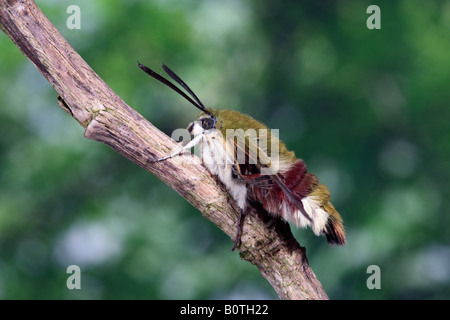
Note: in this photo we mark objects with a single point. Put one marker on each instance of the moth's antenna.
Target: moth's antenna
(197, 103)
(182, 83)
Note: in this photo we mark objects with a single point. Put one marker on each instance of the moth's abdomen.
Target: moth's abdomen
(314, 197)
(334, 227)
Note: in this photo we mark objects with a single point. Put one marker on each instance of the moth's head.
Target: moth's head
(204, 123)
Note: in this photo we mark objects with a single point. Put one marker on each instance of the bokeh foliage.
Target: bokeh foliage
(368, 110)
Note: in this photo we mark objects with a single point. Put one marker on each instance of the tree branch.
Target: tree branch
(266, 243)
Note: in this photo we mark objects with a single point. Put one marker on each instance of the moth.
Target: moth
(240, 151)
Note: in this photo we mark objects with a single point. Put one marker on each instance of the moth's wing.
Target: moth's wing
(250, 156)
(257, 168)
(249, 159)
(187, 146)
(292, 197)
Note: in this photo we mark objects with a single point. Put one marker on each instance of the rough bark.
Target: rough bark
(266, 243)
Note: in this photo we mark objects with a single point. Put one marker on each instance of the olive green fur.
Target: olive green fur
(231, 119)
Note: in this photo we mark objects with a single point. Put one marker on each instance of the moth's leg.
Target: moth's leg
(237, 241)
(236, 174)
(255, 180)
(188, 146)
(259, 181)
(273, 220)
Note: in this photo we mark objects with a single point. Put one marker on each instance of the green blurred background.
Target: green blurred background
(368, 110)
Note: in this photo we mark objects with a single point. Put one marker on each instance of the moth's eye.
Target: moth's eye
(190, 127)
(208, 123)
